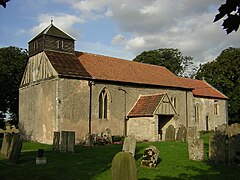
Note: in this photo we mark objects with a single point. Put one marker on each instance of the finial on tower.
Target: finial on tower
(51, 21)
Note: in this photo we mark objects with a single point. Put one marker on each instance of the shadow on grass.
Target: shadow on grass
(85, 163)
(214, 172)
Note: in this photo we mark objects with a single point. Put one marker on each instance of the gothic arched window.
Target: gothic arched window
(103, 104)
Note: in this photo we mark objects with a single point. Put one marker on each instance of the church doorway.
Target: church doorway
(162, 121)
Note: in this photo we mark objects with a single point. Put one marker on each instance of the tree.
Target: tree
(170, 58)
(224, 74)
(231, 9)
(12, 64)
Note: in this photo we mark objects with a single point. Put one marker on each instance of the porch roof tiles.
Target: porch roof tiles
(146, 105)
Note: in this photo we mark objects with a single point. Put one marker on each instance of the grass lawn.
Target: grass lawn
(95, 163)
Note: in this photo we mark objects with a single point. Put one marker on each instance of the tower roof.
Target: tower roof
(52, 30)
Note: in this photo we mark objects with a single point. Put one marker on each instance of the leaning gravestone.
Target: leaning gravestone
(217, 148)
(150, 157)
(5, 145)
(182, 133)
(170, 133)
(56, 141)
(129, 145)
(14, 138)
(196, 149)
(16, 151)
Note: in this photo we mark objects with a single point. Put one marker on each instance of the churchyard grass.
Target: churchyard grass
(95, 163)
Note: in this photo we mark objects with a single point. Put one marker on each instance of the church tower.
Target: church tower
(51, 38)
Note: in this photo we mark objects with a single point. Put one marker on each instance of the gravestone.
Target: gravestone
(56, 141)
(150, 157)
(40, 159)
(233, 129)
(192, 133)
(196, 149)
(107, 136)
(234, 150)
(71, 142)
(14, 138)
(64, 141)
(16, 151)
(88, 140)
(217, 148)
(129, 145)
(222, 128)
(182, 133)
(68, 141)
(5, 145)
(124, 167)
(170, 133)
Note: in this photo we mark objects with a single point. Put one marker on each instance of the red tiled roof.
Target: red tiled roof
(87, 65)
(202, 88)
(66, 64)
(114, 69)
(146, 105)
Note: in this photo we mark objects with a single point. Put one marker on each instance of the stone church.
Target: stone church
(63, 89)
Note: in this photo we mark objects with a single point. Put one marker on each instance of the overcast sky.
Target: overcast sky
(122, 28)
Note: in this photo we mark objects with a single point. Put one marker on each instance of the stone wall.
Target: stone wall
(37, 111)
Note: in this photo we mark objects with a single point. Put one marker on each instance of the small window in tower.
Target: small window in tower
(216, 108)
(60, 44)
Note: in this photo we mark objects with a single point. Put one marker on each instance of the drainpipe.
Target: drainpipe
(90, 83)
(57, 107)
(186, 110)
(125, 111)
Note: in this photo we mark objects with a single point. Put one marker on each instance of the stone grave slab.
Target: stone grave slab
(170, 133)
(5, 145)
(150, 157)
(129, 145)
(196, 149)
(182, 133)
(217, 148)
(16, 151)
(56, 141)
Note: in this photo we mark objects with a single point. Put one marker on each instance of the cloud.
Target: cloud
(186, 24)
(118, 39)
(62, 20)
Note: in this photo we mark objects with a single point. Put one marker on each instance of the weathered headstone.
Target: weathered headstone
(16, 151)
(5, 145)
(88, 140)
(107, 136)
(124, 167)
(217, 148)
(196, 149)
(222, 128)
(170, 133)
(14, 138)
(129, 145)
(233, 129)
(68, 141)
(182, 133)
(234, 150)
(56, 141)
(64, 141)
(150, 157)
(192, 133)
(71, 142)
